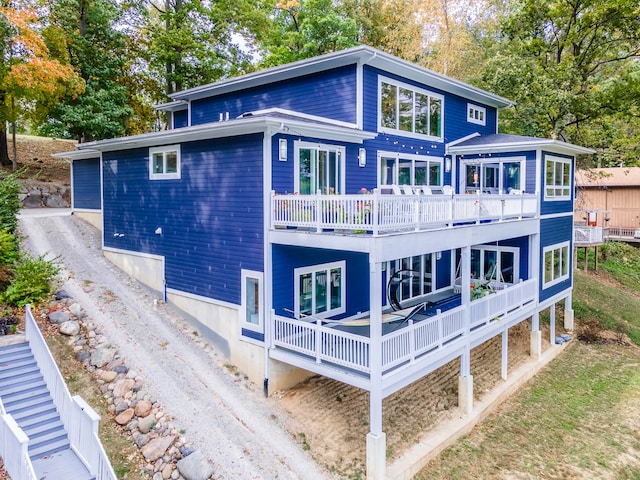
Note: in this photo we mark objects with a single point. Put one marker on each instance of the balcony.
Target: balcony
(321, 346)
(380, 214)
(586, 236)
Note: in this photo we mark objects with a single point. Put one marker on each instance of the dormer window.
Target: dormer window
(476, 114)
(410, 110)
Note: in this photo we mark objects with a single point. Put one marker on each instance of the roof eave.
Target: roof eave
(555, 146)
(77, 154)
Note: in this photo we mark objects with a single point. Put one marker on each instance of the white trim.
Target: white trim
(340, 150)
(200, 298)
(87, 210)
(551, 248)
(297, 272)
(164, 150)
(474, 110)
(521, 159)
(555, 299)
(133, 253)
(412, 134)
(359, 95)
(569, 186)
(557, 215)
(77, 155)
(189, 113)
(460, 140)
(554, 146)
(315, 118)
(409, 156)
(499, 249)
(244, 324)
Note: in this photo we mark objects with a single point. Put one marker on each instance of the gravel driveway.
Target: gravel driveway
(228, 419)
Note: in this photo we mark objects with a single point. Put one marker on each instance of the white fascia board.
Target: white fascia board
(173, 106)
(556, 146)
(315, 118)
(77, 154)
(447, 147)
(363, 55)
(230, 128)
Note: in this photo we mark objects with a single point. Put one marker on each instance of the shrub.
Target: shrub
(9, 201)
(32, 282)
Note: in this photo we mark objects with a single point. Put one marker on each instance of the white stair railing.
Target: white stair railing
(14, 448)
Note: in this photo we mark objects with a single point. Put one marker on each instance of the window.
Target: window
(494, 263)
(557, 185)
(408, 109)
(556, 264)
(319, 167)
(251, 311)
(409, 170)
(319, 290)
(501, 176)
(417, 282)
(164, 162)
(476, 114)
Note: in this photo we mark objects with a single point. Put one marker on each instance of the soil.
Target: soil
(34, 155)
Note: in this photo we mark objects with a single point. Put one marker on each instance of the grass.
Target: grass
(578, 418)
(124, 456)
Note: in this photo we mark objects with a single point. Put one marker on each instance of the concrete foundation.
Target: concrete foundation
(568, 319)
(376, 456)
(535, 349)
(465, 394)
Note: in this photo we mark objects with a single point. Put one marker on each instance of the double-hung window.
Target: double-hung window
(164, 162)
(319, 290)
(251, 314)
(557, 184)
(408, 109)
(415, 170)
(556, 264)
(319, 168)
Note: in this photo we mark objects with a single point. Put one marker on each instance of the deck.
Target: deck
(381, 214)
(410, 347)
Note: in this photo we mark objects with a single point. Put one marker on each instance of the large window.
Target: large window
(408, 109)
(251, 311)
(495, 263)
(556, 264)
(319, 168)
(319, 290)
(418, 278)
(503, 176)
(409, 170)
(557, 184)
(164, 162)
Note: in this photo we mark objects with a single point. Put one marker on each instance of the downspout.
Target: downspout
(267, 279)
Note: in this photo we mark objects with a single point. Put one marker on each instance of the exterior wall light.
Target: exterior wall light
(282, 150)
(362, 157)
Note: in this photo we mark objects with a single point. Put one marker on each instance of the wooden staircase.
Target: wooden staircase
(26, 398)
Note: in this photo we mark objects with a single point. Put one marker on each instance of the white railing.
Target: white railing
(79, 419)
(622, 233)
(584, 234)
(14, 448)
(408, 342)
(378, 213)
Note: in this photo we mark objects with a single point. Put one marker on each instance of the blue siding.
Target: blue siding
(443, 270)
(523, 244)
(211, 219)
(455, 108)
(180, 119)
(330, 94)
(556, 206)
(286, 259)
(554, 231)
(86, 184)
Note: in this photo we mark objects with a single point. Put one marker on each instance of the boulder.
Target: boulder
(124, 417)
(146, 424)
(143, 408)
(102, 355)
(59, 316)
(195, 467)
(76, 310)
(108, 376)
(70, 328)
(156, 447)
(122, 386)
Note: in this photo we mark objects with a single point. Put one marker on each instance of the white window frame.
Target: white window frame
(476, 114)
(414, 89)
(499, 249)
(342, 265)
(340, 155)
(393, 266)
(562, 188)
(413, 158)
(164, 150)
(496, 162)
(556, 249)
(244, 322)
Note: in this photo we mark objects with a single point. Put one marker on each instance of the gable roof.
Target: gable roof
(362, 55)
(501, 142)
(609, 177)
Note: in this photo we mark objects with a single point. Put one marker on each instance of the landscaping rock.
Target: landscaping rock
(108, 376)
(156, 447)
(70, 328)
(76, 310)
(143, 408)
(102, 355)
(125, 417)
(61, 294)
(146, 424)
(122, 387)
(59, 316)
(195, 467)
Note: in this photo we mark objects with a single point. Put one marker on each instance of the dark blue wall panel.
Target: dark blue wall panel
(556, 206)
(211, 218)
(553, 231)
(328, 94)
(180, 119)
(86, 184)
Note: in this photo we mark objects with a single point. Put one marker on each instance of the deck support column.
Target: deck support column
(535, 349)
(376, 438)
(465, 383)
(552, 324)
(568, 313)
(505, 353)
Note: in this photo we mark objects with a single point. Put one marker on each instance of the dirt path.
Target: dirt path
(226, 418)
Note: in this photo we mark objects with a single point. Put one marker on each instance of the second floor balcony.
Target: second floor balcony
(378, 214)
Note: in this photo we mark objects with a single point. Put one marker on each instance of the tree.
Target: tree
(569, 64)
(28, 74)
(96, 51)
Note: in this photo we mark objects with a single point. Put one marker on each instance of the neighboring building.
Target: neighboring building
(613, 194)
(338, 216)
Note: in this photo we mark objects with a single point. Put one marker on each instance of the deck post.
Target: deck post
(465, 383)
(535, 349)
(376, 438)
(568, 313)
(552, 324)
(505, 353)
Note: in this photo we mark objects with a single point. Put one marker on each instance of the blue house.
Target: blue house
(351, 215)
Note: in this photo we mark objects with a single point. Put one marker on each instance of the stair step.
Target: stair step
(44, 428)
(29, 394)
(18, 370)
(42, 449)
(7, 365)
(29, 405)
(9, 394)
(31, 416)
(24, 379)
(29, 424)
(16, 347)
(6, 357)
